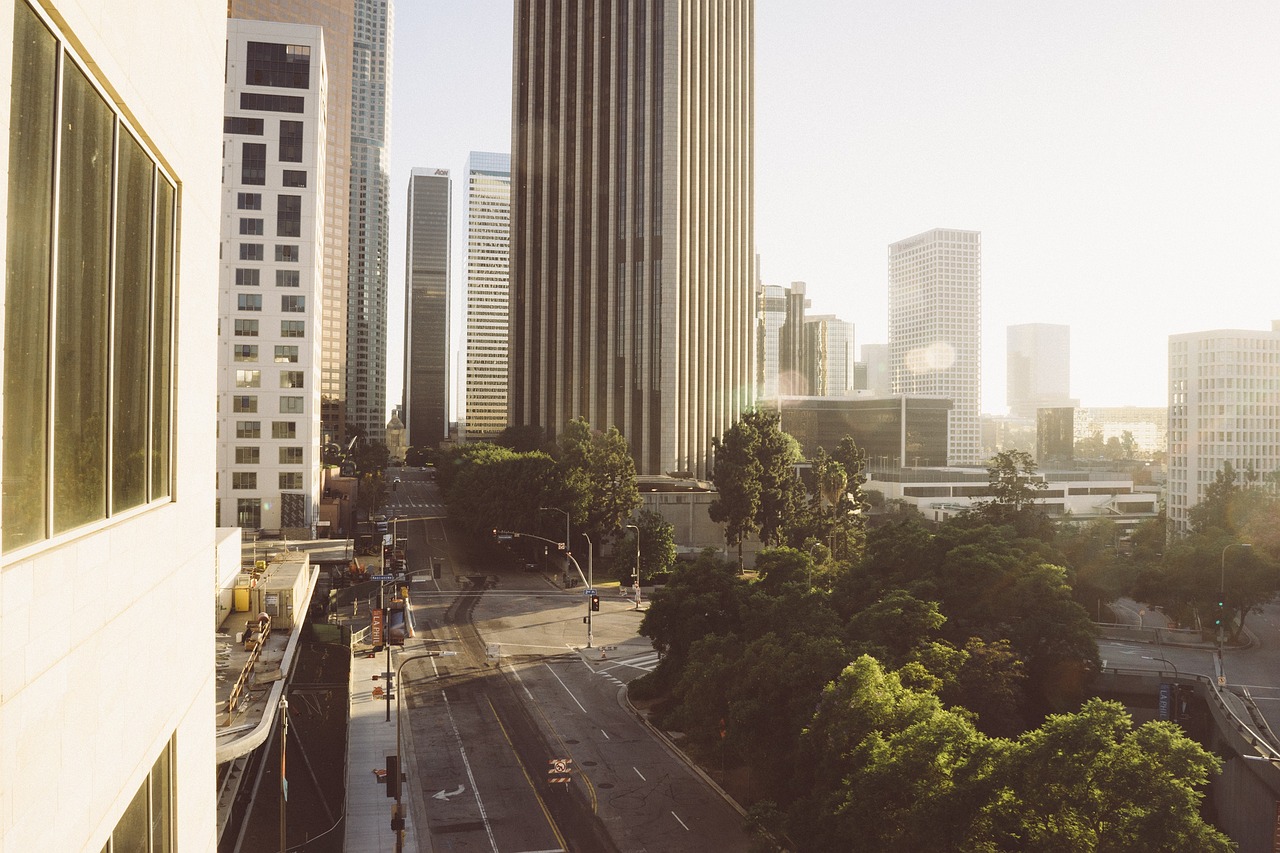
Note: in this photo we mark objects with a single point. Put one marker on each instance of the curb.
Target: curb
(624, 701)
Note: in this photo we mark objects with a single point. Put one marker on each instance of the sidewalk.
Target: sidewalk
(370, 739)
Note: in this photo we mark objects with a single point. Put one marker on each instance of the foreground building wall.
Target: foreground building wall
(106, 658)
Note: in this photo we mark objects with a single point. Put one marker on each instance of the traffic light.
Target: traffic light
(595, 602)
(393, 776)
(1221, 609)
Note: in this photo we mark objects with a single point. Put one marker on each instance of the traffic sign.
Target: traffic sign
(381, 577)
(588, 592)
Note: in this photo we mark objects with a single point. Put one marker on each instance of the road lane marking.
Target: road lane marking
(638, 773)
(566, 688)
(606, 734)
(484, 818)
(546, 812)
(682, 823)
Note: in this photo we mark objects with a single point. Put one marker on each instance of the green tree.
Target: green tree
(737, 477)
(1091, 781)
(494, 487)
(1015, 489)
(597, 480)
(704, 598)
(657, 547)
(893, 628)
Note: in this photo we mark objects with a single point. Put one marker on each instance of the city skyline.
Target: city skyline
(1114, 158)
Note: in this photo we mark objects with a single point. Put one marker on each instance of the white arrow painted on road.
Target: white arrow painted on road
(441, 795)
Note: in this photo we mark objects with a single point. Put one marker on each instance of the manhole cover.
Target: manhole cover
(571, 742)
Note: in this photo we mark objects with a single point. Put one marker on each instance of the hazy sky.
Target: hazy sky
(1121, 159)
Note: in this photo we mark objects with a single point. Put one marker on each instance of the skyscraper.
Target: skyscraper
(829, 355)
(876, 358)
(367, 230)
(270, 279)
(1224, 394)
(485, 350)
(780, 340)
(935, 329)
(632, 247)
(427, 389)
(337, 19)
(1039, 368)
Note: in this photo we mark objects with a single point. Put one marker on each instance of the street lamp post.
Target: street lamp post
(1222, 589)
(637, 530)
(565, 513)
(399, 788)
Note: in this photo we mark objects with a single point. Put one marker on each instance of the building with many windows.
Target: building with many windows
(935, 329)
(894, 432)
(632, 233)
(1224, 407)
(487, 308)
(107, 547)
(780, 365)
(337, 19)
(270, 279)
(368, 223)
(427, 385)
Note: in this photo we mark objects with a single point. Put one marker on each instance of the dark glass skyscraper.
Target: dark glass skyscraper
(632, 248)
(426, 316)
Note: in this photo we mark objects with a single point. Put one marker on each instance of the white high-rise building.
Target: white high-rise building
(935, 329)
(1039, 368)
(108, 556)
(1224, 406)
(270, 280)
(487, 307)
(337, 18)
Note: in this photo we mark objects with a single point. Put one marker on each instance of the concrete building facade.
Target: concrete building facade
(488, 299)
(427, 386)
(271, 277)
(107, 562)
(1224, 406)
(337, 19)
(632, 227)
(935, 328)
(1069, 496)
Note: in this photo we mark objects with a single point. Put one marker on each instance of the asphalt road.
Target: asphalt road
(522, 697)
(1253, 671)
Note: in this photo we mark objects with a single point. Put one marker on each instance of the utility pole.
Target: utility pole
(284, 781)
(637, 530)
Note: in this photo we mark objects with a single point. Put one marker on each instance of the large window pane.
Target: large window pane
(132, 833)
(132, 332)
(26, 328)
(161, 358)
(162, 804)
(80, 373)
